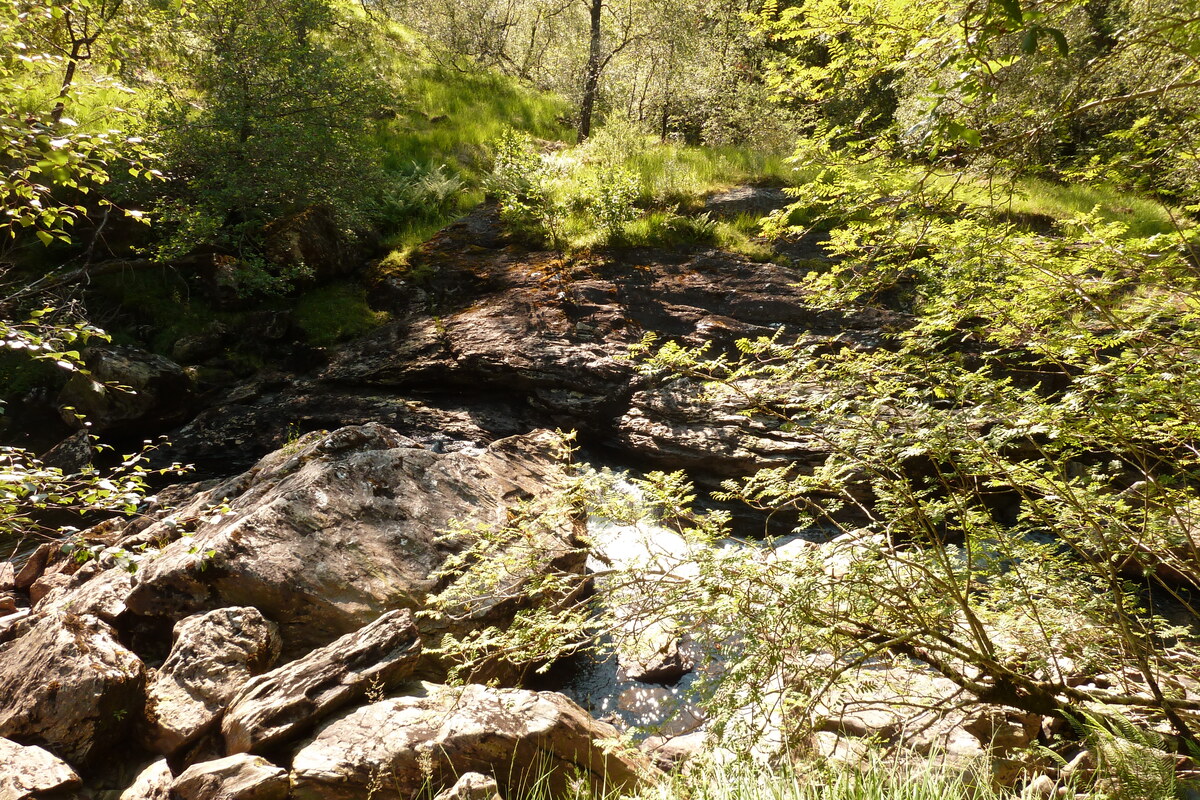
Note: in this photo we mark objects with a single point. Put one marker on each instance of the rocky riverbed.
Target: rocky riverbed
(260, 633)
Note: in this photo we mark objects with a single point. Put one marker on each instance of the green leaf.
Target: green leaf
(1060, 40)
(45, 237)
(1012, 9)
(1029, 41)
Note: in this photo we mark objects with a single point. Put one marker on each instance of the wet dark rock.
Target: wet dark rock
(500, 340)
(200, 346)
(72, 454)
(756, 200)
(311, 241)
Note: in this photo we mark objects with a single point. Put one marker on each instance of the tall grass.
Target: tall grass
(878, 780)
(1143, 216)
(1036, 200)
(660, 188)
(442, 126)
(673, 173)
(448, 116)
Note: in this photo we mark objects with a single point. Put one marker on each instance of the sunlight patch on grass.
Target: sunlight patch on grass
(336, 312)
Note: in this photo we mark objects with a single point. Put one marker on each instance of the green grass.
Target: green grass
(445, 121)
(682, 174)
(876, 781)
(1144, 217)
(668, 186)
(1032, 199)
(336, 312)
(447, 116)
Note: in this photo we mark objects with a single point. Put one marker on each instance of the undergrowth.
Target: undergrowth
(336, 312)
(436, 144)
(626, 188)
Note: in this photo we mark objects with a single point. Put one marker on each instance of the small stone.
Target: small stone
(1080, 765)
(1040, 788)
(34, 566)
(471, 786)
(668, 752)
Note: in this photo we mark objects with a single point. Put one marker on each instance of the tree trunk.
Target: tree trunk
(591, 78)
(68, 79)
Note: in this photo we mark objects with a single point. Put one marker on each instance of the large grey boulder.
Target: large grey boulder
(287, 702)
(924, 717)
(212, 658)
(27, 772)
(240, 777)
(68, 684)
(324, 536)
(423, 741)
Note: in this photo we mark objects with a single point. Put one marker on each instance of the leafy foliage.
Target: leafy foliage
(267, 117)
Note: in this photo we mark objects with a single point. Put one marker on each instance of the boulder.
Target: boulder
(200, 346)
(239, 777)
(326, 534)
(212, 658)
(472, 786)
(68, 684)
(90, 591)
(310, 241)
(28, 772)
(152, 783)
(422, 741)
(287, 702)
(35, 565)
(126, 390)
(71, 455)
(669, 752)
(666, 665)
(915, 711)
